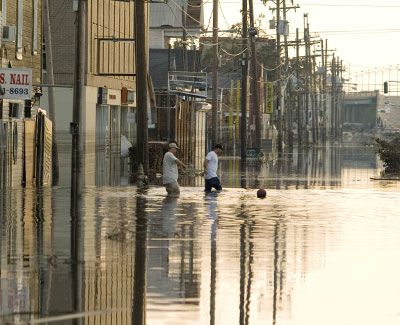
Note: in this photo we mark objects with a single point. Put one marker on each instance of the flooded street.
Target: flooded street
(322, 248)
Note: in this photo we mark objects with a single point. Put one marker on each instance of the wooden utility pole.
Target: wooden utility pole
(254, 80)
(338, 130)
(287, 112)
(143, 100)
(311, 84)
(79, 78)
(323, 91)
(243, 119)
(314, 101)
(214, 104)
(50, 82)
(184, 38)
(333, 96)
(279, 103)
(298, 95)
(307, 64)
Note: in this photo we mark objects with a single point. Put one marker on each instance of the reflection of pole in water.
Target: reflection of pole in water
(250, 272)
(139, 272)
(246, 274)
(182, 271)
(276, 272)
(242, 273)
(76, 250)
(39, 219)
(213, 282)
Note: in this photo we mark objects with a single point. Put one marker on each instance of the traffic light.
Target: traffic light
(385, 87)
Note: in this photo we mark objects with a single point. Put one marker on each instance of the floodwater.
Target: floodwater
(322, 248)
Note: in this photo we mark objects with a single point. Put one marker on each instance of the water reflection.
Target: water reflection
(306, 168)
(116, 256)
(140, 264)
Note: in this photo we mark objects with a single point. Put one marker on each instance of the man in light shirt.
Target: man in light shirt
(210, 169)
(170, 170)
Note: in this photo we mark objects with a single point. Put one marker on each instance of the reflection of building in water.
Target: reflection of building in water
(259, 261)
(25, 250)
(108, 247)
(314, 167)
(174, 257)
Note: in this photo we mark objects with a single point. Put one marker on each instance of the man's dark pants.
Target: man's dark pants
(213, 182)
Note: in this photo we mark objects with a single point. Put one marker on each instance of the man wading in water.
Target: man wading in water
(210, 169)
(170, 170)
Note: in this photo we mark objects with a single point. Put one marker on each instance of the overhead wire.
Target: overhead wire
(184, 11)
(329, 4)
(187, 32)
(222, 12)
(194, 39)
(233, 54)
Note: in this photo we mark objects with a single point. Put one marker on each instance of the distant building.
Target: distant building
(360, 109)
(179, 84)
(175, 20)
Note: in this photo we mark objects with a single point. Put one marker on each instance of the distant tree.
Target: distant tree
(389, 152)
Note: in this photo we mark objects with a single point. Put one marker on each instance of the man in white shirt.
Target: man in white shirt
(210, 169)
(170, 170)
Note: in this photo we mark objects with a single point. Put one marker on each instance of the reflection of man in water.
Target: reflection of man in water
(170, 170)
(168, 217)
(210, 169)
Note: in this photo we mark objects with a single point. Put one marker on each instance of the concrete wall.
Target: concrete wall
(89, 135)
(63, 106)
(156, 39)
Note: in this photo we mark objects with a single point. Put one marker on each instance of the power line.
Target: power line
(327, 5)
(349, 5)
(361, 31)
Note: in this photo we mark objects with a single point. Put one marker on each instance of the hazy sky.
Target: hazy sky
(365, 33)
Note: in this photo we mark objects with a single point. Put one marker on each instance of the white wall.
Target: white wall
(63, 102)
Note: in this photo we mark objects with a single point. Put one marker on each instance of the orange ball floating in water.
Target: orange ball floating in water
(261, 193)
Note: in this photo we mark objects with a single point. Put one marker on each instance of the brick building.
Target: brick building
(109, 87)
(20, 45)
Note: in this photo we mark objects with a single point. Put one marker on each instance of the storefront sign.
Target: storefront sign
(107, 96)
(16, 83)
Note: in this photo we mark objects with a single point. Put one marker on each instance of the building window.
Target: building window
(44, 59)
(14, 110)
